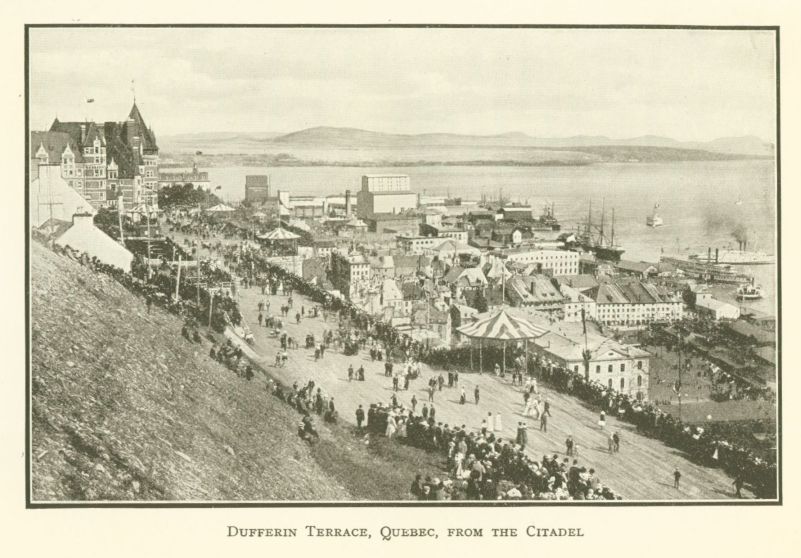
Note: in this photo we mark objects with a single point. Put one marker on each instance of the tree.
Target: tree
(689, 297)
(185, 195)
(480, 302)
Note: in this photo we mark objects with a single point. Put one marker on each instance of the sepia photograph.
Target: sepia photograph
(402, 265)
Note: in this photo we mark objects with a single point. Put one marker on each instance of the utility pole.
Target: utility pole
(178, 282)
(680, 372)
(197, 264)
(147, 216)
(120, 209)
(211, 304)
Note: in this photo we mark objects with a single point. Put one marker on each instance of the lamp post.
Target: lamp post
(679, 386)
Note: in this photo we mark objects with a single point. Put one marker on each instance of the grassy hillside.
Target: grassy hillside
(124, 408)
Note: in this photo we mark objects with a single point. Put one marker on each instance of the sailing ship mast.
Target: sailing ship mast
(612, 241)
(603, 219)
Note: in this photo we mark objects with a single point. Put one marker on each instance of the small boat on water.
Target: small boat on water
(749, 292)
(654, 220)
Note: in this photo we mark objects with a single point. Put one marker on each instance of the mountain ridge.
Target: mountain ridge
(332, 136)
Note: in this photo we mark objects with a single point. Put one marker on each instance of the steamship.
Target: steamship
(706, 268)
(736, 257)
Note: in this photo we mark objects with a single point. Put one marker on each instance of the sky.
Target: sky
(691, 85)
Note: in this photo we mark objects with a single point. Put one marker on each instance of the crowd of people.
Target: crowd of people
(480, 464)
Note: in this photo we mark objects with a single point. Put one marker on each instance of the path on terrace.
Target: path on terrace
(642, 470)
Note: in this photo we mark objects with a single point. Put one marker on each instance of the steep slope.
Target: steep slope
(123, 408)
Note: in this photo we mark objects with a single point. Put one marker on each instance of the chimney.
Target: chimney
(82, 220)
(83, 133)
(347, 204)
(709, 254)
(716, 255)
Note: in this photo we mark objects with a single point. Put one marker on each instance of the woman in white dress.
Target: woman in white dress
(390, 426)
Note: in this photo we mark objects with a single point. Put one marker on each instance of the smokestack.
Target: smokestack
(83, 133)
(708, 254)
(716, 255)
(347, 204)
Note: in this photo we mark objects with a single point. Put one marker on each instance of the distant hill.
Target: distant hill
(352, 137)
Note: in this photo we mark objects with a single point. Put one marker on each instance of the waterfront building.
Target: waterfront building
(384, 194)
(257, 188)
(553, 262)
(440, 231)
(197, 178)
(517, 212)
(640, 270)
(716, 309)
(635, 303)
(406, 223)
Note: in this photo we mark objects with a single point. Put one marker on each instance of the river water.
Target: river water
(697, 199)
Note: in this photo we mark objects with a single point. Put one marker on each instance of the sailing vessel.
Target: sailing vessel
(593, 238)
(654, 220)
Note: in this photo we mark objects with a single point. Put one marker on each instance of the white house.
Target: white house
(716, 309)
(85, 237)
(623, 368)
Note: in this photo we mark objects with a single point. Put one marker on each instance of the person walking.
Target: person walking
(462, 397)
(569, 446)
(431, 393)
(477, 394)
(676, 478)
(738, 485)
(359, 418)
(544, 423)
(616, 439)
(350, 373)
(602, 420)
(523, 434)
(414, 403)
(611, 443)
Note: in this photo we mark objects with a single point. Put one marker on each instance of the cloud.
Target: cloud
(685, 84)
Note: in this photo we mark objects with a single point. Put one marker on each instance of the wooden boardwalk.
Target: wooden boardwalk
(642, 470)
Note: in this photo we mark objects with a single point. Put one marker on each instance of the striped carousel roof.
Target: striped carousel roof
(278, 234)
(503, 327)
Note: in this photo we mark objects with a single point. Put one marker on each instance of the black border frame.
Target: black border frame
(29, 504)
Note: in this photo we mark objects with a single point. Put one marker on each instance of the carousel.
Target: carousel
(500, 328)
(281, 241)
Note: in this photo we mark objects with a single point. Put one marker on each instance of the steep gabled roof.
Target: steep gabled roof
(54, 143)
(141, 129)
